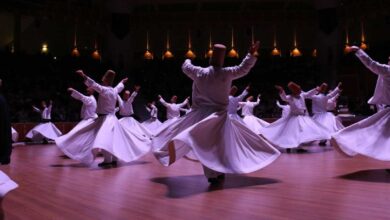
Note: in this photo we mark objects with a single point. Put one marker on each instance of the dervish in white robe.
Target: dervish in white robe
(104, 132)
(234, 101)
(126, 112)
(221, 144)
(45, 130)
(253, 122)
(371, 136)
(173, 111)
(298, 127)
(152, 124)
(321, 113)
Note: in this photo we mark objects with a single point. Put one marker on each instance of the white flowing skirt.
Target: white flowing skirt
(329, 121)
(294, 130)
(15, 135)
(130, 123)
(218, 141)
(369, 137)
(44, 130)
(6, 184)
(105, 133)
(255, 124)
(152, 124)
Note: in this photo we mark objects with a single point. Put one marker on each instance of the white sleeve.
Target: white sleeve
(333, 93)
(242, 69)
(372, 65)
(181, 105)
(118, 88)
(190, 70)
(242, 95)
(163, 102)
(310, 94)
(84, 99)
(120, 101)
(95, 86)
(283, 96)
(132, 97)
(35, 109)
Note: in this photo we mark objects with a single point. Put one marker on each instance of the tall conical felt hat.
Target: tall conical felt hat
(109, 76)
(218, 56)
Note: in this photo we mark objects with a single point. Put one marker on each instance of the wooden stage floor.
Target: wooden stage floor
(321, 184)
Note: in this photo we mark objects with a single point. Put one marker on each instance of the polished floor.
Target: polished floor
(320, 184)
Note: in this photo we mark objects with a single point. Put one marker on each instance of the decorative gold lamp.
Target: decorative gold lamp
(75, 52)
(253, 41)
(190, 54)
(209, 52)
(276, 52)
(232, 52)
(95, 54)
(148, 55)
(168, 54)
(295, 51)
(363, 44)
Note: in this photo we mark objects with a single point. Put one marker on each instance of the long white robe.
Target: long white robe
(253, 122)
(15, 135)
(46, 129)
(219, 142)
(152, 124)
(285, 109)
(104, 132)
(127, 121)
(6, 184)
(298, 127)
(320, 113)
(173, 109)
(371, 136)
(234, 106)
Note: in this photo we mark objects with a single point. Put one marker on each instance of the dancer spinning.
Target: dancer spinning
(320, 112)
(46, 130)
(234, 101)
(105, 132)
(370, 137)
(220, 143)
(253, 122)
(173, 109)
(298, 127)
(152, 124)
(285, 109)
(126, 112)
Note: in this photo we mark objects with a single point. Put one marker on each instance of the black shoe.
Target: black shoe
(105, 164)
(114, 163)
(288, 150)
(322, 143)
(45, 141)
(221, 177)
(301, 150)
(5, 162)
(213, 181)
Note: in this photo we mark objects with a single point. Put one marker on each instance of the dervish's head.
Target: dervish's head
(108, 78)
(218, 57)
(294, 88)
(174, 99)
